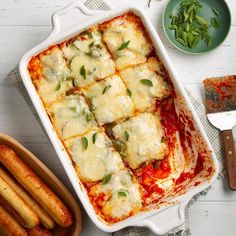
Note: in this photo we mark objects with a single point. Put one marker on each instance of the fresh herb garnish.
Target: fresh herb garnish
(129, 92)
(215, 23)
(201, 21)
(58, 86)
(189, 26)
(123, 45)
(83, 72)
(85, 143)
(106, 179)
(86, 33)
(120, 147)
(73, 109)
(147, 82)
(106, 89)
(123, 193)
(126, 135)
(215, 11)
(89, 117)
(94, 137)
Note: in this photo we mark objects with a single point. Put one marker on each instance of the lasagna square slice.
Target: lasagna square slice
(50, 75)
(126, 39)
(71, 116)
(141, 137)
(94, 157)
(109, 100)
(145, 84)
(88, 58)
(117, 199)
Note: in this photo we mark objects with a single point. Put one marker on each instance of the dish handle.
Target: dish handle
(69, 16)
(166, 220)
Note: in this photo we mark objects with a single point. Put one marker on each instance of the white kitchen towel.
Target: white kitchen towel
(213, 135)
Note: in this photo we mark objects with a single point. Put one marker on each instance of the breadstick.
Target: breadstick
(8, 226)
(39, 231)
(42, 214)
(35, 186)
(30, 218)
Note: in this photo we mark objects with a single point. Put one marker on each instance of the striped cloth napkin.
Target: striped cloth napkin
(213, 135)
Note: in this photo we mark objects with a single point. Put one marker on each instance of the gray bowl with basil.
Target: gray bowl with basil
(196, 26)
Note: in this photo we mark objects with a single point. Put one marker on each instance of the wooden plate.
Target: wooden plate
(51, 180)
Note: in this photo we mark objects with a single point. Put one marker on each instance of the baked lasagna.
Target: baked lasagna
(114, 108)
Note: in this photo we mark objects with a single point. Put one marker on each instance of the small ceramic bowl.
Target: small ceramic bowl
(51, 181)
(218, 35)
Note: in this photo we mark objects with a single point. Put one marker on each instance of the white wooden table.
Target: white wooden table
(24, 23)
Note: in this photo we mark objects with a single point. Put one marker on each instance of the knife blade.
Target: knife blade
(220, 101)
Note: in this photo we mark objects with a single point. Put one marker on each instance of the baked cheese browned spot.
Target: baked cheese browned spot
(146, 83)
(126, 39)
(71, 116)
(142, 137)
(109, 100)
(94, 156)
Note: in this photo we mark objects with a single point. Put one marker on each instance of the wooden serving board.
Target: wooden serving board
(51, 181)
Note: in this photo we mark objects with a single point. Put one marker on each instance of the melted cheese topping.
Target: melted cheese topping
(71, 116)
(98, 159)
(121, 31)
(52, 76)
(143, 95)
(109, 100)
(54, 66)
(145, 139)
(89, 52)
(123, 195)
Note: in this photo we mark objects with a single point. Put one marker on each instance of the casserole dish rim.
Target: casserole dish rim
(60, 33)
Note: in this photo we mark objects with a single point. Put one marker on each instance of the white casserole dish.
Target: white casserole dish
(66, 24)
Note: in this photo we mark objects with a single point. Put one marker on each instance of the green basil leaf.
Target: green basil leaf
(147, 82)
(195, 42)
(83, 72)
(181, 41)
(184, 37)
(186, 16)
(190, 39)
(215, 11)
(106, 179)
(84, 143)
(123, 45)
(186, 3)
(106, 89)
(123, 193)
(195, 33)
(94, 137)
(173, 27)
(89, 117)
(208, 40)
(215, 23)
(126, 135)
(128, 92)
(86, 33)
(187, 27)
(58, 86)
(201, 20)
(73, 109)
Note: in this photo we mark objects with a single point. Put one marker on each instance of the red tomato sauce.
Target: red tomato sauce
(148, 174)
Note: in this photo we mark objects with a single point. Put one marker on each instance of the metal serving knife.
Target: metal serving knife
(220, 101)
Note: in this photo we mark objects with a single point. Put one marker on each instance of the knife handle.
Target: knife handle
(230, 157)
